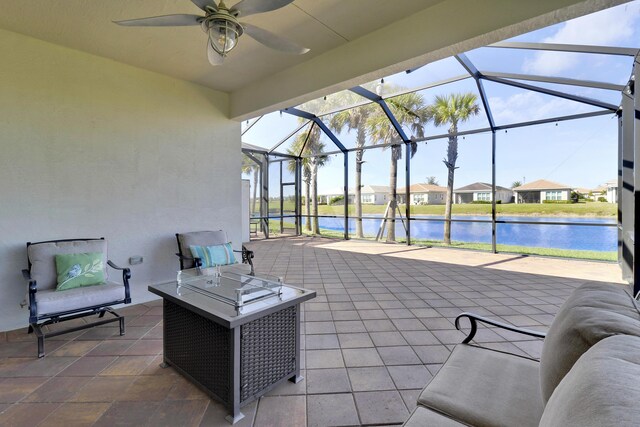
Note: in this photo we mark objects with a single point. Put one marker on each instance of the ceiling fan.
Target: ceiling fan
(223, 28)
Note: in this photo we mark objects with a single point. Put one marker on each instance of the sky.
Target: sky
(578, 153)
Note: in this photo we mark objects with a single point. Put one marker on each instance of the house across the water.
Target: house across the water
(481, 192)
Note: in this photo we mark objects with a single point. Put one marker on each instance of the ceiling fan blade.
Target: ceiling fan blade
(273, 41)
(203, 4)
(250, 7)
(162, 21)
(214, 57)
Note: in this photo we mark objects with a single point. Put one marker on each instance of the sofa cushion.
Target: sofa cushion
(43, 258)
(594, 311)
(483, 387)
(51, 301)
(423, 417)
(601, 389)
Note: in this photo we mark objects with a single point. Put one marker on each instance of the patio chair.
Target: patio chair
(210, 238)
(67, 279)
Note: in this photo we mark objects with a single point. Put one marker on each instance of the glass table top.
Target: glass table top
(230, 298)
(235, 289)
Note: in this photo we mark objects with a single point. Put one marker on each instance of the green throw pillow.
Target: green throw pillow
(76, 270)
(214, 255)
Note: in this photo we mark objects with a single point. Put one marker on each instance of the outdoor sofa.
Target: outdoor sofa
(588, 373)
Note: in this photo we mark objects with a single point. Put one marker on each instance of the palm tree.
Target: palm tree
(451, 110)
(432, 180)
(248, 167)
(355, 119)
(515, 184)
(409, 110)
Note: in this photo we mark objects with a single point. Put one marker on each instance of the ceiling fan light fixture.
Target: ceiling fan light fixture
(223, 34)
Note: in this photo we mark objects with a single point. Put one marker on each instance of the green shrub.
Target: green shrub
(485, 202)
(602, 199)
(558, 202)
(336, 199)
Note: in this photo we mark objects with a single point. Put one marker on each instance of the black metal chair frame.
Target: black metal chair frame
(474, 319)
(62, 316)
(247, 256)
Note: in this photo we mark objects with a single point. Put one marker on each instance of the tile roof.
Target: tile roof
(478, 186)
(542, 184)
(426, 188)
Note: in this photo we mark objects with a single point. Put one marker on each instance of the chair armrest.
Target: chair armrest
(197, 262)
(126, 275)
(474, 319)
(33, 288)
(26, 275)
(247, 256)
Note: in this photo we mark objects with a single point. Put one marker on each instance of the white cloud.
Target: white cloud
(527, 106)
(608, 27)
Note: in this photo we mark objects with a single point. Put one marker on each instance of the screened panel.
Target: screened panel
(563, 174)
(568, 241)
(252, 170)
(353, 126)
(604, 95)
(275, 167)
(406, 107)
(328, 180)
(511, 105)
(271, 129)
(581, 66)
(294, 144)
(471, 192)
(426, 75)
(336, 101)
(247, 124)
(590, 29)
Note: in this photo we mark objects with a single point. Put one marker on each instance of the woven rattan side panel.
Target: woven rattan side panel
(268, 351)
(199, 347)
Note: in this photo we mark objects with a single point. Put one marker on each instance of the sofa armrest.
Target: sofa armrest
(126, 275)
(474, 319)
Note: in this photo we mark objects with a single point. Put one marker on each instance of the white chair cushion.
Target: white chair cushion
(51, 301)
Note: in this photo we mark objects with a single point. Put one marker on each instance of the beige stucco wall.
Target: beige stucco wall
(564, 195)
(90, 147)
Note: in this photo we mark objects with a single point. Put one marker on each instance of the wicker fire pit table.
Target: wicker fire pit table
(236, 336)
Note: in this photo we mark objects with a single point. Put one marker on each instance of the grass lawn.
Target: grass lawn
(590, 209)
(595, 209)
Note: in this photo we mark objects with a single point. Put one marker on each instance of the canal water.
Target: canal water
(570, 236)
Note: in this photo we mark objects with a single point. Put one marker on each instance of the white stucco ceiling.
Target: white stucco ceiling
(180, 51)
(350, 40)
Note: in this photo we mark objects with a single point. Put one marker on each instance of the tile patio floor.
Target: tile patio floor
(379, 329)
